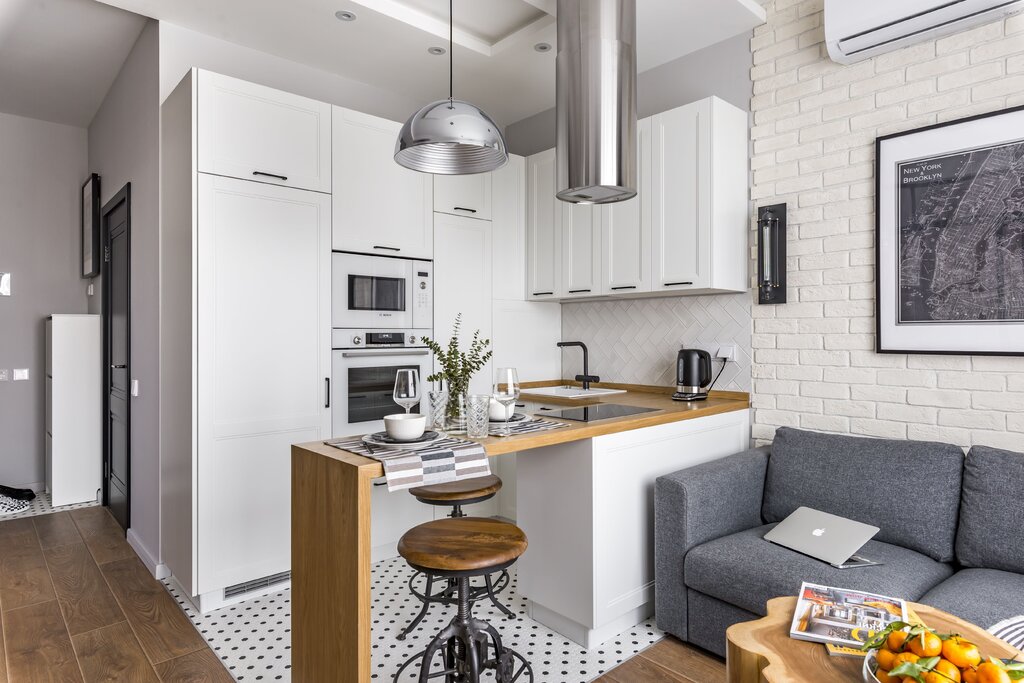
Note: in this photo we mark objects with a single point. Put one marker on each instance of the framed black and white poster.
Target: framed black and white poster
(91, 227)
(950, 237)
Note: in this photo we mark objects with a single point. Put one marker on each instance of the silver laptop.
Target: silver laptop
(825, 537)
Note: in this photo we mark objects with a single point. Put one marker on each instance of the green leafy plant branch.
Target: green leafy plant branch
(457, 367)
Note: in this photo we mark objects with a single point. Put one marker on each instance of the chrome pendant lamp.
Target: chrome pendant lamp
(451, 137)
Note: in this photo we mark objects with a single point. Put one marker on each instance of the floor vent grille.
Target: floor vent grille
(256, 584)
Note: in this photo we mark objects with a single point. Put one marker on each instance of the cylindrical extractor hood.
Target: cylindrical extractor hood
(596, 96)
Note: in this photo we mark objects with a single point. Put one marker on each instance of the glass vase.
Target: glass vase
(456, 422)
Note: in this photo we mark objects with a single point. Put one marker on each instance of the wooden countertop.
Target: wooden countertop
(659, 398)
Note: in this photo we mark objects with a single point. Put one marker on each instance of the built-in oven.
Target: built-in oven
(380, 292)
(365, 363)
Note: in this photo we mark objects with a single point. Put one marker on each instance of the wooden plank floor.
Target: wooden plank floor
(668, 661)
(78, 606)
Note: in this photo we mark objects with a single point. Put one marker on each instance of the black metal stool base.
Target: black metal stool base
(449, 596)
(469, 648)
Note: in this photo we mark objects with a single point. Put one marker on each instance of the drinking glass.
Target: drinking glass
(478, 408)
(437, 402)
(506, 390)
(407, 388)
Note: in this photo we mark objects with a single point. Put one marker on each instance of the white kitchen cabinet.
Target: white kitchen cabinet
(581, 251)
(462, 284)
(508, 229)
(626, 230)
(74, 408)
(245, 357)
(543, 228)
(463, 195)
(698, 195)
(253, 132)
(379, 207)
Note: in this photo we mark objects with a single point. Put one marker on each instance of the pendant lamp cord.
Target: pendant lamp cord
(451, 52)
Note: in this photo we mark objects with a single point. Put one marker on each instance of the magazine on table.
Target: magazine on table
(843, 617)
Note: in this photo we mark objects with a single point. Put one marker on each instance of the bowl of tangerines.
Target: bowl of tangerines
(906, 653)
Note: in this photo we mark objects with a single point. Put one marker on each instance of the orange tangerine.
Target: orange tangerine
(961, 653)
(925, 644)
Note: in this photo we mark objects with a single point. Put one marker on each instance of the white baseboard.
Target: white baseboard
(158, 570)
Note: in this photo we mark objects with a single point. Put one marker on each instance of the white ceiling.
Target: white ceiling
(496, 66)
(58, 58)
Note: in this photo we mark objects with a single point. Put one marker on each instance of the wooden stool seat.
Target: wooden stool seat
(462, 544)
(454, 492)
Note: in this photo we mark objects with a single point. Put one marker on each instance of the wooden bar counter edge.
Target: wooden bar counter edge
(331, 525)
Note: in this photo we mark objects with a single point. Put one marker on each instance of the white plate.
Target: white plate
(415, 446)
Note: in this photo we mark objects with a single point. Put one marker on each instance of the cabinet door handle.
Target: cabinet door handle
(542, 293)
(327, 393)
(578, 291)
(676, 284)
(615, 289)
(118, 367)
(462, 208)
(378, 246)
(282, 178)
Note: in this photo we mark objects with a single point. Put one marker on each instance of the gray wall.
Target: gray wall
(44, 165)
(124, 146)
(722, 69)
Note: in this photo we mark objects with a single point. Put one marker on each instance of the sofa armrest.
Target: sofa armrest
(696, 505)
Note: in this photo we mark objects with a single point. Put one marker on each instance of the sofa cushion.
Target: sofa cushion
(870, 480)
(745, 570)
(991, 512)
(981, 596)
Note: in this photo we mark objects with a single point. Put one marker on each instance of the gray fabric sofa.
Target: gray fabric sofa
(952, 529)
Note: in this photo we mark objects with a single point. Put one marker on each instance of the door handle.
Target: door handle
(282, 178)
(578, 291)
(615, 289)
(118, 367)
(542, 293)
(367, 354)
(327, 395)
(676, 284)
(377, 246)
(462, 208)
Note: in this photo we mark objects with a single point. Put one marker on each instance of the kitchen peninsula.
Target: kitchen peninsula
(570, 481)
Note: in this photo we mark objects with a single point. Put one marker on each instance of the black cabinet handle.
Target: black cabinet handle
(377, 246)
(578, 291)
(271, 175)
(542, 293)
(118, 367)
(615, 289)
(462, 208)
(675, 284)
(327, 400)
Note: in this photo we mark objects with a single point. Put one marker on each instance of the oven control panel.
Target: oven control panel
(422, 294)
(379, 339)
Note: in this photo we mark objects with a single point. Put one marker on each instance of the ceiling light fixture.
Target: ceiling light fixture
(450, 136)
(345, 15)
(436, 50)
(542, 47)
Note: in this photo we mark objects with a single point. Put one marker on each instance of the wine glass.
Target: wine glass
(407, 388)
(506, 390)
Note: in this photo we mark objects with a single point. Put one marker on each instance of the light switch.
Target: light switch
(91, 290)
(4, 374)
(135, 388)
(5, 284)
(20, 374)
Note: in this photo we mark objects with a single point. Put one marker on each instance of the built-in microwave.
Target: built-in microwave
(380, 292)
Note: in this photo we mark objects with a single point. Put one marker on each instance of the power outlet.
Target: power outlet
(727, 353)
(4, 374)
(20, 374)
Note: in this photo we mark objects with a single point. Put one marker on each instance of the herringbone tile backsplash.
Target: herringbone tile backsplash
(636, 340)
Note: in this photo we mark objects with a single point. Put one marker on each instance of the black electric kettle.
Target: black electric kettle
(693, 375)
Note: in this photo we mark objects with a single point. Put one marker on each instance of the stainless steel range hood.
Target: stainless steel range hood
(596, 96)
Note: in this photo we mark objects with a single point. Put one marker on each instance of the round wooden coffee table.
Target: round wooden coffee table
(762, 651)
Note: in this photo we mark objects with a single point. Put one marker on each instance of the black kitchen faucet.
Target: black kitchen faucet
(586, 378)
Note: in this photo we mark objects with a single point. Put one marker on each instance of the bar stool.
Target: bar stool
(461, 548)
(456, 494)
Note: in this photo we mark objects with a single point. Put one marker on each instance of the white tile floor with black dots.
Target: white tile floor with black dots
(253, 638)
(41, 505)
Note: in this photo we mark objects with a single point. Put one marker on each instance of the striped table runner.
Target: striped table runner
(524, 427)
(1011, 630)
(447, 460)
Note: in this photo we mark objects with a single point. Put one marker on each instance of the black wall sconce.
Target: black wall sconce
(771, 254)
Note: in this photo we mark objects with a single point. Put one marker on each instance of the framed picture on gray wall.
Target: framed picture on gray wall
(91, 257)
(949, 237)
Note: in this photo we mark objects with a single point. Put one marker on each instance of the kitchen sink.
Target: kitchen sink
(571, 392)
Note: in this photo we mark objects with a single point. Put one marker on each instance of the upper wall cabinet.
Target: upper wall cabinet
(581, 250)
(463, 195)
(379, 206)
(543, 228)
(626, 230)
(698, 195)
(508, 228)
(253, 132)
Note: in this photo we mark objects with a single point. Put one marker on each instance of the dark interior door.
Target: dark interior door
(116, 221)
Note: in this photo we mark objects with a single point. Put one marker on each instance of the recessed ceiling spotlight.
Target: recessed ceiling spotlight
(345, 15)
(542, 47)
(437, 50)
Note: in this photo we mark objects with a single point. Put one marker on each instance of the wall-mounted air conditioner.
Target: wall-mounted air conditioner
(858, 29)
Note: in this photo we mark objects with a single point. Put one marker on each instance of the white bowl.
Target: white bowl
(405, 426)
(500, 412)
(870, 664)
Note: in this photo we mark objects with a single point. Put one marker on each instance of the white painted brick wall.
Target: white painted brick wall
(815, 124)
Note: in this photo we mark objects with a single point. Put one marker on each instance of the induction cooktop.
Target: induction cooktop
(600, 411)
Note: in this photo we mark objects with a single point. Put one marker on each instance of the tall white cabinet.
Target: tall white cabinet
(74, 408)
(245, 352)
